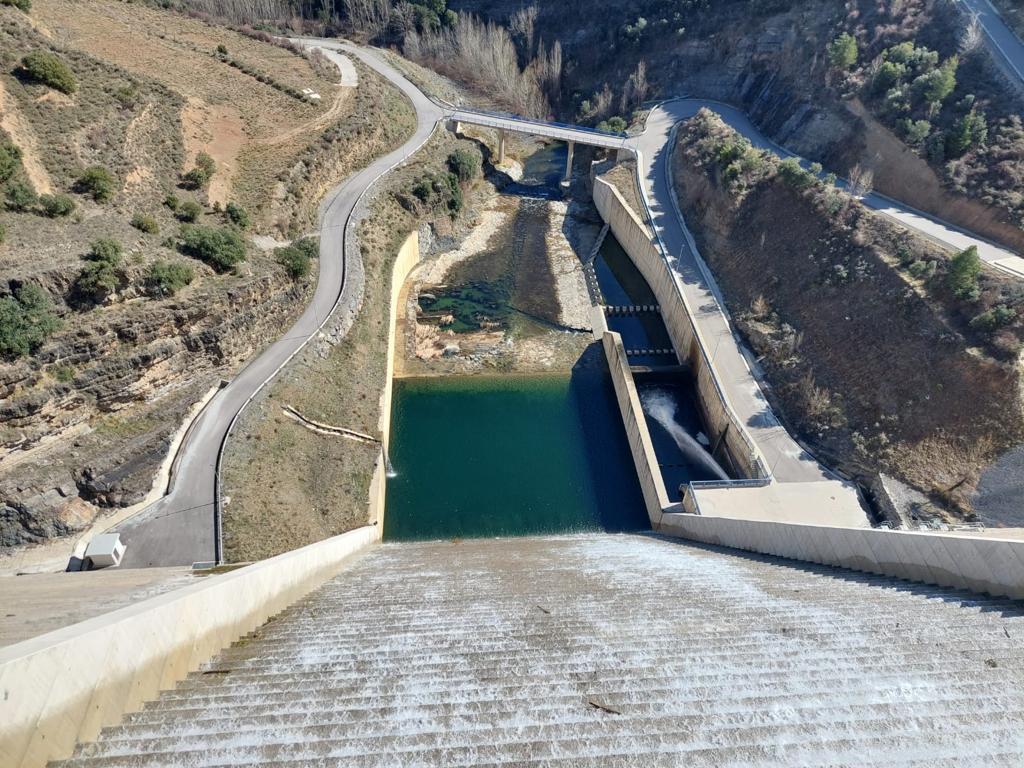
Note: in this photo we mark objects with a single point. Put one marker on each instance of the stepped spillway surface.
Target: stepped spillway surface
(598, 650)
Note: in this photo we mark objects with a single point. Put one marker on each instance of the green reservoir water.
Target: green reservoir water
(510, 456)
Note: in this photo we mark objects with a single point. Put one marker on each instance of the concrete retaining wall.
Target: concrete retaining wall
(640, 445)
(636, 239)
(985, 565)
(406, 260)
(63, 687)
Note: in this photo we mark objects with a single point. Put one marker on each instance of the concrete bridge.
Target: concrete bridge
(570, 134)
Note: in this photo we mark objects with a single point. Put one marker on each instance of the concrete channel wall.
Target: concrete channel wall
(984, 565)
(640, 445)
(63, 687)
(407, 259)
(635, 238)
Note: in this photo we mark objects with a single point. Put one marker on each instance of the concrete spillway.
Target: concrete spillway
(598, 651)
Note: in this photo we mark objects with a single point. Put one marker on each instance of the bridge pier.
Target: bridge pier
(501, 146)
(568, 162)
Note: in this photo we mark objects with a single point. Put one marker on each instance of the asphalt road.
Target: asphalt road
(179, 529)
(1005, 45)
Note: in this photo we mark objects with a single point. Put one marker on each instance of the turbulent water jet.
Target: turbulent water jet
(661, 406)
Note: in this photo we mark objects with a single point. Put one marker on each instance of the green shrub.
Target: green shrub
(189, 211)
(56, 206)
(105, 249)
(794, 175)
(222, 50)
(10, 160)
(199, 176)
(165, 278)
(98, 280)
(220, 248)
(20, 196)
(97, 182)
(613, 125)
(48, 69)
(994, 319)
(915, 131)
(26, 321)
(934, 86)
(3, 233)
(889, 74)
(842, 52)
(102, 275)
(63, 373)
(238, 216)
(922, 269)
(964, 271)
(172, 202)
(970, 131)
(309, 246)
(21, 5)
(465, 165)
(145, 223)
(295, 261)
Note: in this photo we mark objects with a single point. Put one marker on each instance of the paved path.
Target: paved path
(179, 529)
(1006, 47)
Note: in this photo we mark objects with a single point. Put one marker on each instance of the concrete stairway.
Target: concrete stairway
(598, 651)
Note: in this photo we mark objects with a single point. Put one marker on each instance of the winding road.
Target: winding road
(180, 528)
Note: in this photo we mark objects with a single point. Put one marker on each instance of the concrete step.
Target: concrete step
(512, 652)
(423, 720)
(744, 744)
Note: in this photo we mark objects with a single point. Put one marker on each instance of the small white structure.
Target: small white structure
(103, 551)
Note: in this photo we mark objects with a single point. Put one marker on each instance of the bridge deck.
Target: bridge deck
(575, 134)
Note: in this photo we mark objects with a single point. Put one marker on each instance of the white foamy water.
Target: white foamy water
(661, 406)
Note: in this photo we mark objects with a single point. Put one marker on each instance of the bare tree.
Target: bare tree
(859, 181)
(522, 25)
(636, 90)
(369, 16)
(483, 55)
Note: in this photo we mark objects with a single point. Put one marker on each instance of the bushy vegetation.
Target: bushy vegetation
(188, 211)
(102, 275)
(26, 321)
(96, 182)
(20, 196)
(201, 173)
(435, 191)
(964, 271)
(21, 5)
(3, 233)
(166, 278)
(842, 52)
(464, 164)
(221, 248)
(49, 69)
(144, 222)
(237, 215)
(10, 160)
(56, 206)
(295, 261)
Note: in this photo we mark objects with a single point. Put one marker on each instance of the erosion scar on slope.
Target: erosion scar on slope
(218, 131)
(15, 126)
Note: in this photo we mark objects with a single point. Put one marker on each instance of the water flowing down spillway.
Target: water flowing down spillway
(661, 406)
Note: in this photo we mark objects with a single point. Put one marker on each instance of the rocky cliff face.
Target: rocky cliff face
(85, 423)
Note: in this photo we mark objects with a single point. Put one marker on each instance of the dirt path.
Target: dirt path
(336, 111)
(16, 127)
(219, 132)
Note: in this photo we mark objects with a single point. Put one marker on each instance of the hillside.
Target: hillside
(958, 155)
(880, 353)
(130, 280)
